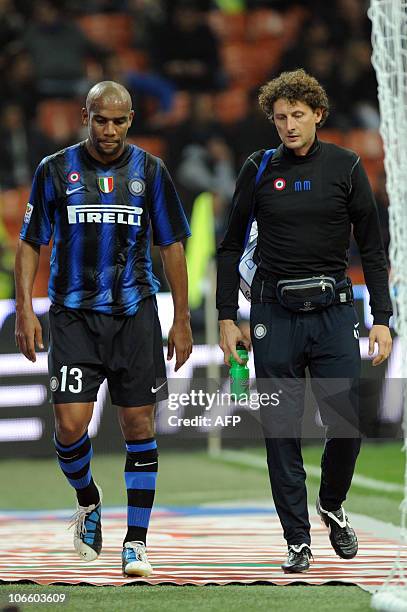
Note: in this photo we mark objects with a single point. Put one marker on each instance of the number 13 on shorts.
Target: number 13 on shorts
(68, 375)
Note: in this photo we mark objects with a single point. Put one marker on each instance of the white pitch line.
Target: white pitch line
(364, 482)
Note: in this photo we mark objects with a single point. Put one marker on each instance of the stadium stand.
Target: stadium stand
(252, 44)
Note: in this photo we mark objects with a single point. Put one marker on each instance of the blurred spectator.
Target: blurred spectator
(315, 33)
(349, 20)
(339, 56)
(358, 80)
(321, 62)
(11, 27)
(344, 19)
(59, 50)
(198, 128)
(208, 167)
(149, 17)
(252, 133)
(152, 96)
(91, 7)
(316, 52)
(186, 51)
(19, 84)
(22, 148)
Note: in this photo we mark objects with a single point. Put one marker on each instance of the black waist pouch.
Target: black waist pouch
(306, 294)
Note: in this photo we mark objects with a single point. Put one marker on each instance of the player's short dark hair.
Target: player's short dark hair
(294, 86)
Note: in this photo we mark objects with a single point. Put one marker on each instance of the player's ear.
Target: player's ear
(318, 115)
(85, 116)
(131, 115)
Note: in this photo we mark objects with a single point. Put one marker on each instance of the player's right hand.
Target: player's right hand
(230, 335)
(28, 333)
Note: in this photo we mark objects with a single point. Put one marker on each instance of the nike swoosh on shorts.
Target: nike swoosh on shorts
(155, 389)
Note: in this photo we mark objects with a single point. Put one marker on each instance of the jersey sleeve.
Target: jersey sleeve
(366, 229)
(234, 241)
(38, 218)
(168, 218)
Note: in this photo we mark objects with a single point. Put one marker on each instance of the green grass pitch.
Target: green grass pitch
(38, 484)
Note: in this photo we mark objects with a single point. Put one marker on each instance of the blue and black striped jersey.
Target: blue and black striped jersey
(100, 219)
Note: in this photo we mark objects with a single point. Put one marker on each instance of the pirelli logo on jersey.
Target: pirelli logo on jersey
(104, 213)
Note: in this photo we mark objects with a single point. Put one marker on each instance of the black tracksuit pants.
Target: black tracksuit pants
(284, 344)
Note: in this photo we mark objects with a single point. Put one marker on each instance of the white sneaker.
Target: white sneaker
(134, 560)
(87, 539)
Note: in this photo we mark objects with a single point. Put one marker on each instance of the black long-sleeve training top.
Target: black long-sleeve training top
(305, 207)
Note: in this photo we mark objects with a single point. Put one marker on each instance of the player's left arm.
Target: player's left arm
(380, 335)
(180, 335)
(170, 227)
(367, 232)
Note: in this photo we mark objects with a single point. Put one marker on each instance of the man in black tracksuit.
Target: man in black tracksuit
(305, 198)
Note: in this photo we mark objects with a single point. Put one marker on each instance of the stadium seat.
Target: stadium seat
(264, 24)
(13, 203)
(233, 55)
(59, 119)
(180, 109)
(356, 274)
(367, 143)
(133, 59)
(374, 168)
(293, 20)
(229, 27)
(330, 135)
(231, 105)
(152, 144)
(248, 65)
(112, 30)
(266, 55)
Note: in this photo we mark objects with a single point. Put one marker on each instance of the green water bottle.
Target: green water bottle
(239, 374)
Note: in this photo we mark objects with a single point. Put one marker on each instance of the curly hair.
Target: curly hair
(294, 86)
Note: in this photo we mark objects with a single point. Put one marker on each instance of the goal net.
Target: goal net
(389, 40)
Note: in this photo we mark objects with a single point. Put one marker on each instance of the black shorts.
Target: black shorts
(87, 346)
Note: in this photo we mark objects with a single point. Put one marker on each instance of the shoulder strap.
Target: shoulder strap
(247, 265)
(266, 156)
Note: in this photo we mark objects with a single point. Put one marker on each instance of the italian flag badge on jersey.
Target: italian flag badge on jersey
(105, 184)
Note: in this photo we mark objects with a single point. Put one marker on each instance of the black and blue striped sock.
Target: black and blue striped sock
(140, 476)
(74, 461)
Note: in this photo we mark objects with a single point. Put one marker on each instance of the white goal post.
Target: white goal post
(389, 58)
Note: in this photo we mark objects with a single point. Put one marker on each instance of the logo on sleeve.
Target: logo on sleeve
(279, 184)
(136, 186)
(74, 177)
(28, 213)
(105, 184)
